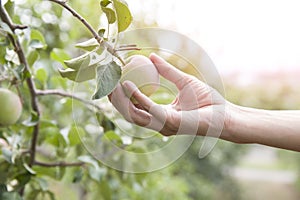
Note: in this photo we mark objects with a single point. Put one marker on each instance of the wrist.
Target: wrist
(236, 123)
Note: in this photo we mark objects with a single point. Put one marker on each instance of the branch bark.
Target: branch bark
(65, 94)
(59, 164)
(34, 102)
(100, 39)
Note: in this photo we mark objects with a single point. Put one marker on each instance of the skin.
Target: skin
(201, 110)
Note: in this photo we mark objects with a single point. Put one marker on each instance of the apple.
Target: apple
(141, 71)
(10, 107)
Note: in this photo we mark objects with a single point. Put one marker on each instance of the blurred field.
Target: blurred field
(264, 172)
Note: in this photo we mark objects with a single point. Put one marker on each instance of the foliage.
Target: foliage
(42, 156)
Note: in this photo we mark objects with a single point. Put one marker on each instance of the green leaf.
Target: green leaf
(41, 75)
(89, 160)
(53, 137)
(110, 14)
(79, 62)
(108, 77)
(105, 190)
(32, 57)
(3, 188)
(59, 55)
(112, 136)
(51, 195)
(8, 154)
(32, 120)
(78, 174)
(75, 134)
(29, 169)
(37, 35)
(101, 32)
(97, 173)
(44, 171)
(104, 3)
(33, 194)
(88, 45)
(9, 6)
(10, 196)
(124, 16)
(81, 75)
(23, 179)
(43, 184)
(105, 122)
(36, 44)
(6, 28)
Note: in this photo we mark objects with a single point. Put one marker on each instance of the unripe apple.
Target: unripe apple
(142, 72)
(10, 107)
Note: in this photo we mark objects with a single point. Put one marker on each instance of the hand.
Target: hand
(197, 109)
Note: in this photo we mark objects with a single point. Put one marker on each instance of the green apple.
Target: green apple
(142, 72)
(10, 107)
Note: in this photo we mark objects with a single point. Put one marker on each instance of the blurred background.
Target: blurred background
(255, 46)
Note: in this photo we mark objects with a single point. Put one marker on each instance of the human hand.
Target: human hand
(197, 109)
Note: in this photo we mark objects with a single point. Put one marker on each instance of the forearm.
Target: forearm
(272, 128)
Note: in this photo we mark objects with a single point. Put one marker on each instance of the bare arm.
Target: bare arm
(272, 128)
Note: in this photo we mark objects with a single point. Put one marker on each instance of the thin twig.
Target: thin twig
(127, 45)
(128, 49)
(65, 94)
(34, 102)
(100, 39)
(58, 164)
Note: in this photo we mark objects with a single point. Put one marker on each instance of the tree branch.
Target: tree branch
(65, 94)
(34, 102)
(58, 164)
(100, 39)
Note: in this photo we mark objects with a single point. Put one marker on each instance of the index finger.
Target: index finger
(171, 73)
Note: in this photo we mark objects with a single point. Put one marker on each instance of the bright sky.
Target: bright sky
(245, 34)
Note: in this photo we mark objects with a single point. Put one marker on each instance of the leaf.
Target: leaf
(9, 6)
(105, 190)
(36, 44)
(81, 75)
(104, 3)
(108, 77)
(32, 57)
(88, 45)
(12, 56)
(124, 16)
(112, 136)
(10, 196)
(3, 188)
(32, 120)
(101, 32)
(7, 155)
(59, 55)
(97, 173)
(110, 14)
(23, 179)
(89, 160)
(41, 75)
(33, 194)
(75, 134)
(79, 62)
(78, 174)
(6, 28)
(37, 35)
(29, 169)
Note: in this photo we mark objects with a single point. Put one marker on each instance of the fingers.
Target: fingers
(147, 104)
(123, 104)
(179, 78)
